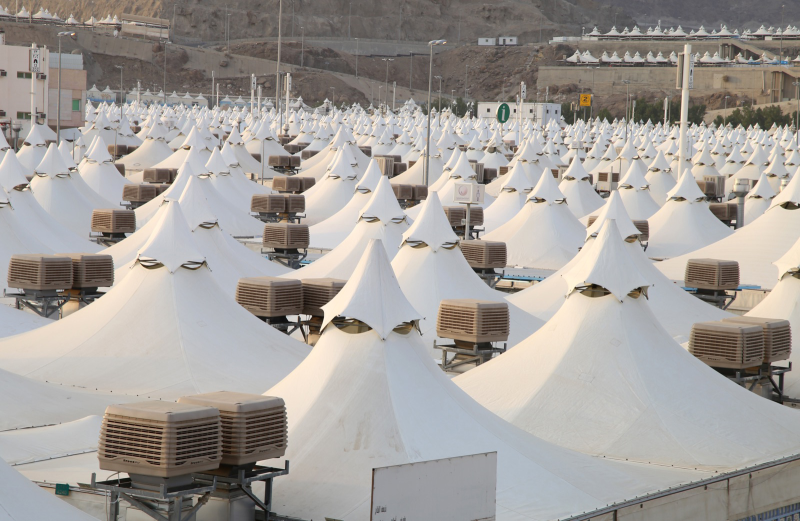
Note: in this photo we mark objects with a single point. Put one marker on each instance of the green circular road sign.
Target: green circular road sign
(503, 112)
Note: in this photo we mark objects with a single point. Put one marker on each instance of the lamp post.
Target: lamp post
(349, 19)
(386, 80)
(627, 101)
(278, 70)
(425, 172)
(780, 61)
(302, 44)
(380, 87)
(121, 92)
(333, 98)
(591, 105)
(440, 92)
(228, 30)
(797, 116)
(166, 42)
(292, 19)
(725, 111)
(58, 101)
(466, 77)
(356, 58)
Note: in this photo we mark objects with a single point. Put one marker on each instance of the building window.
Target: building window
(488, 110)
(530, 110)
(23, 115)
(76, 105)
(24, 75)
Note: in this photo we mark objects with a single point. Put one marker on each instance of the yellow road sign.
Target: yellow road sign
(586, 100)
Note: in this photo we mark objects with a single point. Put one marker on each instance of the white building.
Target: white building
(539, 112)
(23, 92)
(487, 41)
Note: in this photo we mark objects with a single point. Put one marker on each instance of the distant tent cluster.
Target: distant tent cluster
(651, 60)
(657, 33)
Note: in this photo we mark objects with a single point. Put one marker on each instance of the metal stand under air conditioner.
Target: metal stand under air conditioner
(718, 298)
(489, 276)
(289, 258)
(474, 231)
(285, 170)
(132, 205)
(284, 324)
(289, 217)
(230, 479)
(467, 353)
(150, 493)
(107, 239)
(764, 375)
(43, 303)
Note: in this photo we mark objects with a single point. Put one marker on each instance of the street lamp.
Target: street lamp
(780, 62)
(166, 42)
(627, 100)
(333, 97)
(379, 96)
(58, 101)
(466, 76)
(725, 111)
(797, 116)
(349, 19)
(591, 105)
(278, 71)
(356, 58)
(121, 92)
(302, 44)
(428, 131)
(386, 81)
(440, 92)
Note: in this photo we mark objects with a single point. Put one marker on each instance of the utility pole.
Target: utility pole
(440, 93)
(302, 44)
(349, 19)
(687, 66)
(386, 81)
(356, 58)
(278, 71)
(466, 76)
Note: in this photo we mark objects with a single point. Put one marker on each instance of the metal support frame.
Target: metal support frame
(473, 234)
(284, 324)
(719, 298)
(289, 258)
(43, 303)
(107, 239)
(125, 489)
(243, 479)
(762, 374)
(132, 205)
(285, 217)
(285, 170)
(489, 275)
(478, 354)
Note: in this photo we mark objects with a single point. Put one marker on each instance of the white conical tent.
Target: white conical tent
(26, 446)
(430, 267)
(675, 308)
(152, 151)
(23, 500)
(544, 234)
(635, 192)
(381, 218)
(376, 398)
(333, 192)
(755, 246)
(604, 378)
(783, 302)
(581, 197)
(98, 170)
(510, 200)
(156, 333)
(33, 149)
(684, 223)
(332, 231)
(223, 180)
(58, 192)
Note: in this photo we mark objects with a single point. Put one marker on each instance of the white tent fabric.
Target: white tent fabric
(675, 309)
(53, 441)
(430, 267)
(333, 192)
(99, 172)
(332, 231)
(684, 224)
(513, 194)
(605, 367)
(544, 234)
(15, 321)
(154, 333)
(360, 401)
(22, 500)
(581, 197)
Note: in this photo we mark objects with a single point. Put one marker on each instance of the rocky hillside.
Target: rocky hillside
(418, 20)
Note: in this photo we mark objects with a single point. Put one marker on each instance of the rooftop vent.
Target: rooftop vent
(777, 336)
(712, 274)
(91, 270)
(285, 236)
(113, 221)
(138, 193)
(727, 345)
(36, 272)
(159, 438)
(473, 321)
(270, 296)
(159, 175)
(318, 292)
(254, 427)
(484, 254)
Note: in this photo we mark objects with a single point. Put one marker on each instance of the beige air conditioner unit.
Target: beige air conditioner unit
(254, 427)
(113, 221)
(403, 192)
(489, 174)
(159, 438)
(268, 203)
(36, 272)
(138, 193)
(473, 321)
(711, 274)
(270, 296)
(283, 183)
(91, 270)
(644, 229)
(159, 175)
(777, 336)
(386, 165)
(285, 236)
(457, 214)
(318, 292)
(727, 344)
(725, 212)
(420, 192)
(484, 254)
(399, 168)
(284, 161)
(367, 151)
